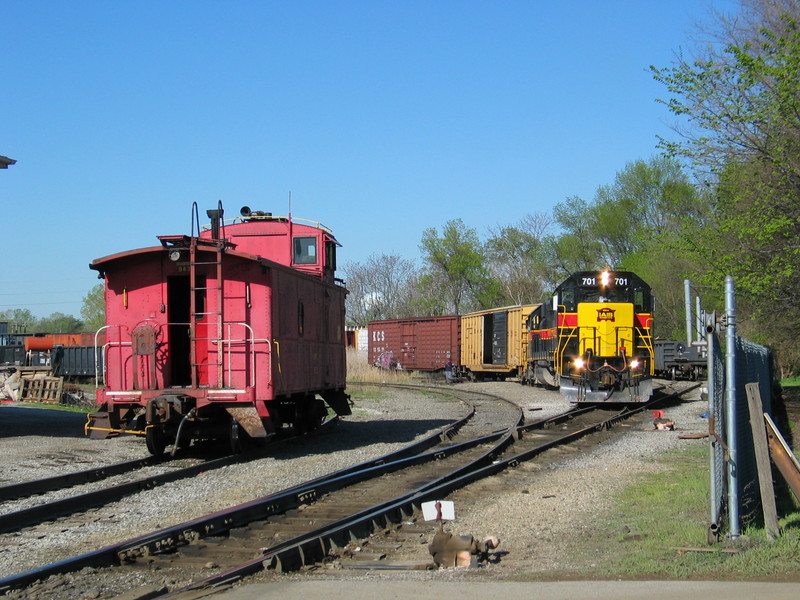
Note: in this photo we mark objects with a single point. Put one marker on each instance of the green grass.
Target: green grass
(366, 392)
(78, 408)
(790, 382)
(664, 513)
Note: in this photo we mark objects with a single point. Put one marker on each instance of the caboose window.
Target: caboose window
(305, 250)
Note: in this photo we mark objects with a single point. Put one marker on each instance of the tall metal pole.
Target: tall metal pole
(699, 321)
(730, 407)
(715, 414)
(687, 300)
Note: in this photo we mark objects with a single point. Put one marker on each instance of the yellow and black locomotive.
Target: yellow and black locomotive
(593, 339)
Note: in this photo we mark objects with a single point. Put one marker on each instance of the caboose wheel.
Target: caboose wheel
(156, 440)
(235, 437)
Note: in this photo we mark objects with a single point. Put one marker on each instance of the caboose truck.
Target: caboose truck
(233, 330)
(594, 340)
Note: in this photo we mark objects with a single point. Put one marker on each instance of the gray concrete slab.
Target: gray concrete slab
(571, 590)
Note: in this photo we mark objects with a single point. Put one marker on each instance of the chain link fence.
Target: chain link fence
(733, 472)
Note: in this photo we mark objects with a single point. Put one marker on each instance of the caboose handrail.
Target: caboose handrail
(228, 341)
(291, 219)
(96, 374)
(109, 343)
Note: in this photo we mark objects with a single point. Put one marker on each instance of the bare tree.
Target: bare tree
(380, 288)
(517, 258)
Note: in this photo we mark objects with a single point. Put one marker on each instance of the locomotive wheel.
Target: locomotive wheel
(156, 440)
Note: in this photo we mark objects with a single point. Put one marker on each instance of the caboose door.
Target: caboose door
(178, 310)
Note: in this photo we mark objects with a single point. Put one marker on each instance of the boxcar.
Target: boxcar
(494, 342)
(418, 344)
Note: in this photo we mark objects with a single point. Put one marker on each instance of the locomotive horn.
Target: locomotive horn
(245, 211)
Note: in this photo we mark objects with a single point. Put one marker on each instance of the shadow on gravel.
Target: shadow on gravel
(16, 421)
(352, 435)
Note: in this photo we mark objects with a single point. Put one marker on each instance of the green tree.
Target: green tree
(517, 258)
(20, 320)
(60, 323)
(647, 200)
(740, 105)
(576, 248)
(455, 269)
(93, 309)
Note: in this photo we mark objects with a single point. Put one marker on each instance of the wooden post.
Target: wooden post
(762, 461)
(782, 456)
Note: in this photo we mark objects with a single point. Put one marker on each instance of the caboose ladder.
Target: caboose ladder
(213, 319)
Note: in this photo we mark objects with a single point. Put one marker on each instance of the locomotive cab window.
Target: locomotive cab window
(567, 300)
(305, 250)
(642, 300)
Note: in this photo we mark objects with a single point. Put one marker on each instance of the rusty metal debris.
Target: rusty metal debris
(450, 550)
(662, 422)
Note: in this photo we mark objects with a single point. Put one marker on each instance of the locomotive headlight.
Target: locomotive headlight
(579, 363)
(605, 278)
(634, 364)
(175, 255)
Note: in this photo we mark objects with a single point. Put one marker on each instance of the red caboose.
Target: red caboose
(237, 327)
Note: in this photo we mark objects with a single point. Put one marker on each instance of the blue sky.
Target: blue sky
(380, 118)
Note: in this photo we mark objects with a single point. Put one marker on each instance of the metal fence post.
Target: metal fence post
(730, 408)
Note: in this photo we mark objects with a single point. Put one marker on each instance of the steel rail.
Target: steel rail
(50, 511)
(59, 482)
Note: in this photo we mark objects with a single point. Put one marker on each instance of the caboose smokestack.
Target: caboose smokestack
(216, 217)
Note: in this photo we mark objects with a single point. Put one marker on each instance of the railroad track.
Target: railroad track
(316, 521)
(118, 486)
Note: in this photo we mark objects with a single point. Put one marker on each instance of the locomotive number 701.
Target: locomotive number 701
(592, 281)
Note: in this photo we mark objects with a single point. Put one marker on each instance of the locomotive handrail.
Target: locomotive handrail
(596, 338)
(646, 335)
(562, 347)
